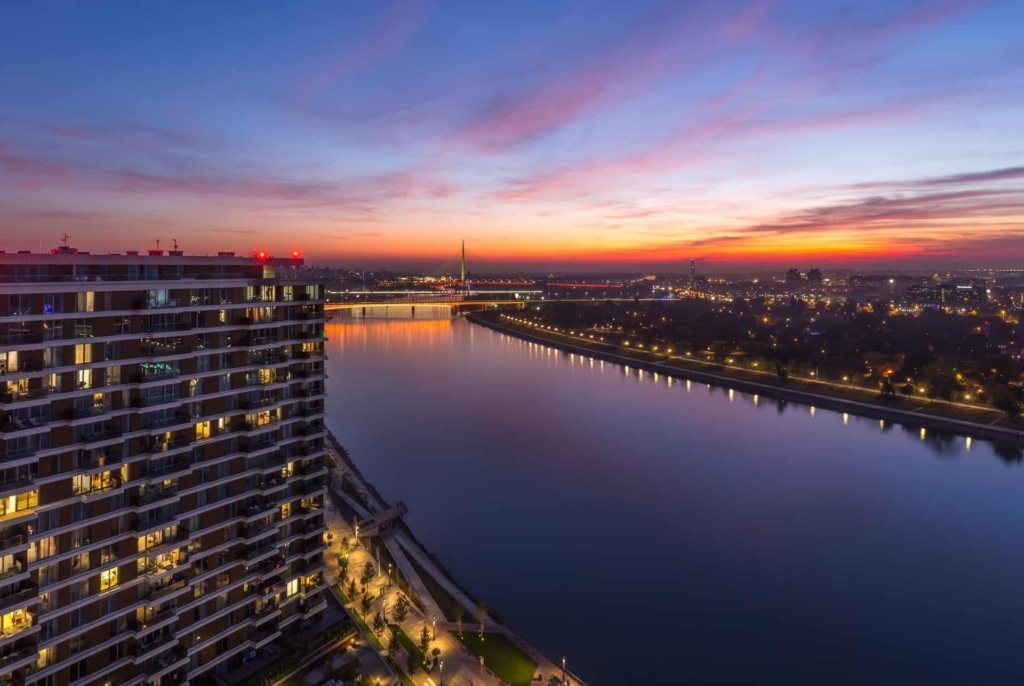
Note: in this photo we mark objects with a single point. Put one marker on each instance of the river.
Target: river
(663, 532)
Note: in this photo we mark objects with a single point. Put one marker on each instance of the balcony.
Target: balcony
(261, 402)
(173, 444)
(263, 444)
(151, 646)
(160, 304)
(162, 372)
(164, 350)
(21, 658)
(101, 435)
(22, 366)
(21, 453)
(149, 471)
(258, 507)
(267, 357)
(15, 540)
(12, 570)
(29, 394)
(153, 400)
(155, 495)
(89, 411)
(13, 630)
(21, 339)
(164, 422)
(113, 484)
(163, 590)
(107, 459)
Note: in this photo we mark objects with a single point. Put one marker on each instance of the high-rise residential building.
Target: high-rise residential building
(163, 469)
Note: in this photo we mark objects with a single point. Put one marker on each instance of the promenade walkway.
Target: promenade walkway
(461, 668)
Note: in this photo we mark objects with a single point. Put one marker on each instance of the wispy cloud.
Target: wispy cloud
(387, 37)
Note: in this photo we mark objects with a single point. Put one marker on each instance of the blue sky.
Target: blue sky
(548, 134)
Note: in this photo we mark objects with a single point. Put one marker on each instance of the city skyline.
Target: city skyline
(746, 135)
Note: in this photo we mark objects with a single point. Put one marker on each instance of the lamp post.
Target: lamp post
(563, 669)
(440, 672)
(378, 561)
(389, 575)
(433, 620)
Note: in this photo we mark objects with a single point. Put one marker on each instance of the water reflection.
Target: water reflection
(825, 549)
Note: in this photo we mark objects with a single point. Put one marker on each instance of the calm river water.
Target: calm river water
(658, 532)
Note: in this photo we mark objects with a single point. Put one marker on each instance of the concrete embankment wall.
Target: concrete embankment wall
(906, 417)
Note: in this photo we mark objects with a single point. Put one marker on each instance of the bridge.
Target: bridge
(359, 299)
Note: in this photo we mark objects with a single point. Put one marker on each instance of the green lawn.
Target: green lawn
(501, 656)
(410, 645)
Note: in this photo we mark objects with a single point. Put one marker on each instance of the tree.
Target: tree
(460, 613)
(379, 625)
(352, 588)
(392, 641)
(401, 610)
(482, 612)
(368, 573)
(436, 652)
(365, 605)
(424, 639)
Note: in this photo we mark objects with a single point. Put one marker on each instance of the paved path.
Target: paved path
(461, 666)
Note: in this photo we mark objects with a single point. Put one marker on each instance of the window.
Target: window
(289, 293)
(122, 326)
(160, 298)
(79, 617)
(19, 502)
(108, 579)
(112, 377)
(53, 302)
(86, 301)
(53, 330)
(293, 587)
(47, 547)
(83, 354)
(112, 351)
(83, 379)
(202, 430)
(53, 357)
(49, 520)
(83, 328)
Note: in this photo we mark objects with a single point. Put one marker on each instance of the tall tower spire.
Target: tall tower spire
(463, 262)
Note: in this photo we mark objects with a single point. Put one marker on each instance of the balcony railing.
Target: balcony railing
(160, 304)
(172, 444)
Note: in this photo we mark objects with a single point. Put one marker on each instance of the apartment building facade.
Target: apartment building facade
(162, 464)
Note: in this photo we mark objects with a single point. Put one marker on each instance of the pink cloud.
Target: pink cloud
(622, 72)
(387, 38)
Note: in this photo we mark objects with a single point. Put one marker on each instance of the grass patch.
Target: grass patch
(409, 645)
(501, 656)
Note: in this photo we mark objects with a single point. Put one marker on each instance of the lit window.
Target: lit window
(202, 430)
(108, 579)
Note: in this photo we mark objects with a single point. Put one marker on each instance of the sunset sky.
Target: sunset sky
(549, 135)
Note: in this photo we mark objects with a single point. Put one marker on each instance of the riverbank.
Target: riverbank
(433, 592)
(983, 423)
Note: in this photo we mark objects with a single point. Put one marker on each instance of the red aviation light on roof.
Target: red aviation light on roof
(261, 255)
(296, 254)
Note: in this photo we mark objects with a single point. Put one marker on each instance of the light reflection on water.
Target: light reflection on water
(754, 540)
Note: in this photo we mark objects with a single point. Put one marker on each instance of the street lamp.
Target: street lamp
(389, 575)
(440, 672)
(433, 619)
(563, 669)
